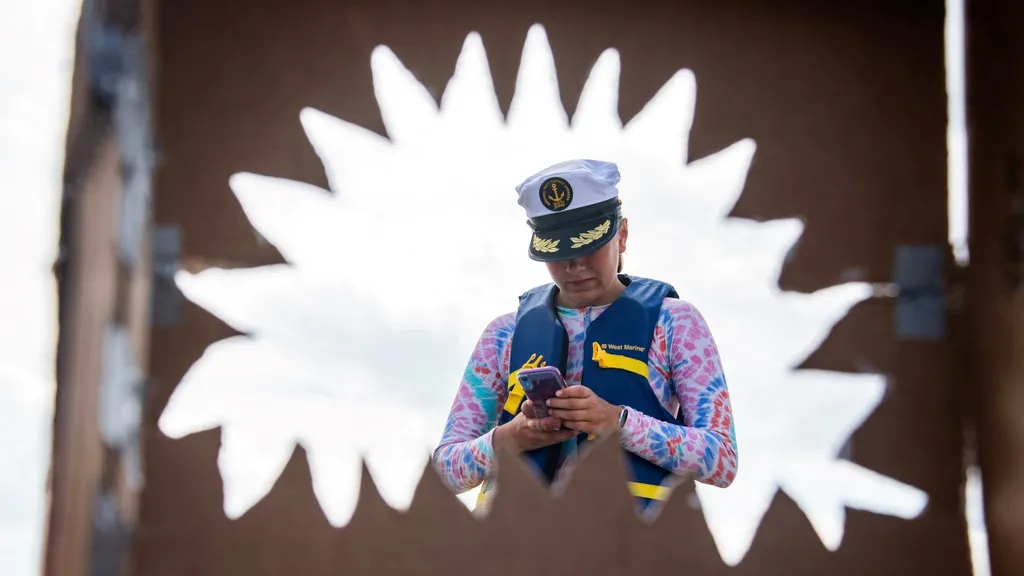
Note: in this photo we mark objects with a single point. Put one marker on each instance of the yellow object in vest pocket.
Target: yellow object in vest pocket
(515, 389)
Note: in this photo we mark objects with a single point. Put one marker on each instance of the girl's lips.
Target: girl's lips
(581, 284)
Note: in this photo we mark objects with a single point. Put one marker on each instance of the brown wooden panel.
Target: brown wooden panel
(78, 450)
(846, 101)
(995, 311)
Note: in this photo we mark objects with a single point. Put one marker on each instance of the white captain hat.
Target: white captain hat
(573, 208)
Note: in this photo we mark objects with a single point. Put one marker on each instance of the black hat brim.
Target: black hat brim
(574, 240)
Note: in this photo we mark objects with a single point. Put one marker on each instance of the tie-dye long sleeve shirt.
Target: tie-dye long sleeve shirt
(685, 372)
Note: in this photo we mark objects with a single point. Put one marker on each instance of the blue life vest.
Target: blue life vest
(614, 367)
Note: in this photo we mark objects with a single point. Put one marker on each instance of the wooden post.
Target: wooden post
(104, 283)
(995, 100)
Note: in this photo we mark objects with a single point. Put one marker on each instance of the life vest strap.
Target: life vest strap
(637, 489)
(649, 491)
(515, 389)
(605, 359)
(482, 497)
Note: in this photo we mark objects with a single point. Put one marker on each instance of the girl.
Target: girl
(639, 361)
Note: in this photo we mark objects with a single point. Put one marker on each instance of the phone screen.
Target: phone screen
(540, 385)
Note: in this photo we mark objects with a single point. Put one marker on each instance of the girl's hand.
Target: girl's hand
(527, 432)
(580, 409)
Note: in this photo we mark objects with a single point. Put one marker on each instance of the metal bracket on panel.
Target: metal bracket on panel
(111, 537)
(167, 299)
(131, 119)
(113, 53)
(120, 85)
(919, 275)
(120, 401)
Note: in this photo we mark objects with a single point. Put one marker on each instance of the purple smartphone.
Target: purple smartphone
(540, 385)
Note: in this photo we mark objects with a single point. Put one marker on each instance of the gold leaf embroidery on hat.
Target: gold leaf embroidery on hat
(548, 246)
(591, 235)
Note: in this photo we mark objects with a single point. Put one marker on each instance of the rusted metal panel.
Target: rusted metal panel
(846, 101)
(994, 313)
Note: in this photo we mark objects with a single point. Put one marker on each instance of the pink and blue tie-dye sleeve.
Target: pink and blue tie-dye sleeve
(465, 454)
(705, 446)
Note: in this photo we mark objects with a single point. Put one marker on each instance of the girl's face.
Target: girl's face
(591, 280)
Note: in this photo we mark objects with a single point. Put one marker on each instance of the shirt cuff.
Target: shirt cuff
(487, 447)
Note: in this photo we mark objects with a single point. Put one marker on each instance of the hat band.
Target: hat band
(550, 222)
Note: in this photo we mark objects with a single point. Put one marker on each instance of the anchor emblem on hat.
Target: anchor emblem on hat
(556, 194)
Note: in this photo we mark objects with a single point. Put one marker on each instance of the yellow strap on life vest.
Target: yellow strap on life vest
(649, 491)
(483, 496)
(606, 360)
(515, 389)
(637, 489)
